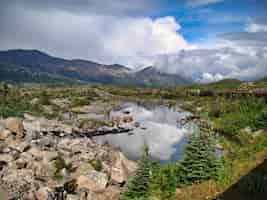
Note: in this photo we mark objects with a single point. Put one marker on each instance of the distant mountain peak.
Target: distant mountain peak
(23, 65)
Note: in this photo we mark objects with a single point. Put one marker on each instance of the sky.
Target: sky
(204, 40)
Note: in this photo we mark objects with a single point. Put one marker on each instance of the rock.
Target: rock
(257, 133)
(93, 180)
(219, 147)
(127, 119)
(48, 156)
(43, 170)
(82, 168)
(21, 163)
(4, 133)
(20, 146)
(32, 124)
(72, 197)
(44, 193)
(6, 158)
(15, 125)
(34, 101)
(122, 168)
(111, 193)
(247, 130)
(18, 183)
(87, 195)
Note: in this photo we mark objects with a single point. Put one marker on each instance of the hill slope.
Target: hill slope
(36, 66)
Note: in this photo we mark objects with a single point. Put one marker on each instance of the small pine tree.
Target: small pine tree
(163, 182)
(138, 185)
(200, 162)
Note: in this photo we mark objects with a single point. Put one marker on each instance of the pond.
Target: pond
(160, 127)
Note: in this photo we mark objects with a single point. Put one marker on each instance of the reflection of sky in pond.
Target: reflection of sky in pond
(158, 128)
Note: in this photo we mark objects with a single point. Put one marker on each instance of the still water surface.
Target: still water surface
(160, 127)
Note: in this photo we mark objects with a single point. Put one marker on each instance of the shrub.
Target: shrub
(243, 113)
(261, 119)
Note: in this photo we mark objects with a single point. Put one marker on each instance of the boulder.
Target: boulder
(122, 168)
(4, 133)
(72, 197)
(93, 180)
(18, 183)
(6, 158)
(15, 125)
(20, 146)
(127, 119)
(44, 193)
(87, 195)
(111, 193)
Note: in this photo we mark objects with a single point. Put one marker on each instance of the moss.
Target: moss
(60, 164)
(91, 123)
(97, 164)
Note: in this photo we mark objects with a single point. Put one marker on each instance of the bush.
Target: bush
(248, 112)
(261, 119)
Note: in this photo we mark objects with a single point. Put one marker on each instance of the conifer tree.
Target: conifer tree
(138, 185)
(200, 162)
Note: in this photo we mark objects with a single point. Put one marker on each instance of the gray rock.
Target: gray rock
(72, 197)
(15, 125)
(44, 193)
(93, 180)
(121, 168)
(4, 133)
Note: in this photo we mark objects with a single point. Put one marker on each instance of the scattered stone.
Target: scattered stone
(15, 125)
(258, 133)
(93, 180)
(44, 193)
(72, 197)
(122, 168)
(4, 133)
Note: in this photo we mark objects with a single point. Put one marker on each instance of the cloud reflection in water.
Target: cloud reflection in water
(160, 130)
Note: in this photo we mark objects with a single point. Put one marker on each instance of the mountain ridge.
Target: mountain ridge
(20, 65)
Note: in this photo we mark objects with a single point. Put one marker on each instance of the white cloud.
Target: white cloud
(253, 28)
(107, 39)
(207, 77)
(195, 3)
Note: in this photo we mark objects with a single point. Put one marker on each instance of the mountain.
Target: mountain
(36, 66)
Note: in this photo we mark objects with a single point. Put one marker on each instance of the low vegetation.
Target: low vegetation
(236, 123)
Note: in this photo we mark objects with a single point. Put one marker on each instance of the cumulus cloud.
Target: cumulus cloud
(108, 39)
(195, 3)
(208, 65)
(253, 28)
(99, 7)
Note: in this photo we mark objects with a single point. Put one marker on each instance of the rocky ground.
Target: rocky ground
(44, 159)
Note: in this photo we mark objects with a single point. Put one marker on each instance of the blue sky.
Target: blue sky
(205, 40)
(211, 19)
